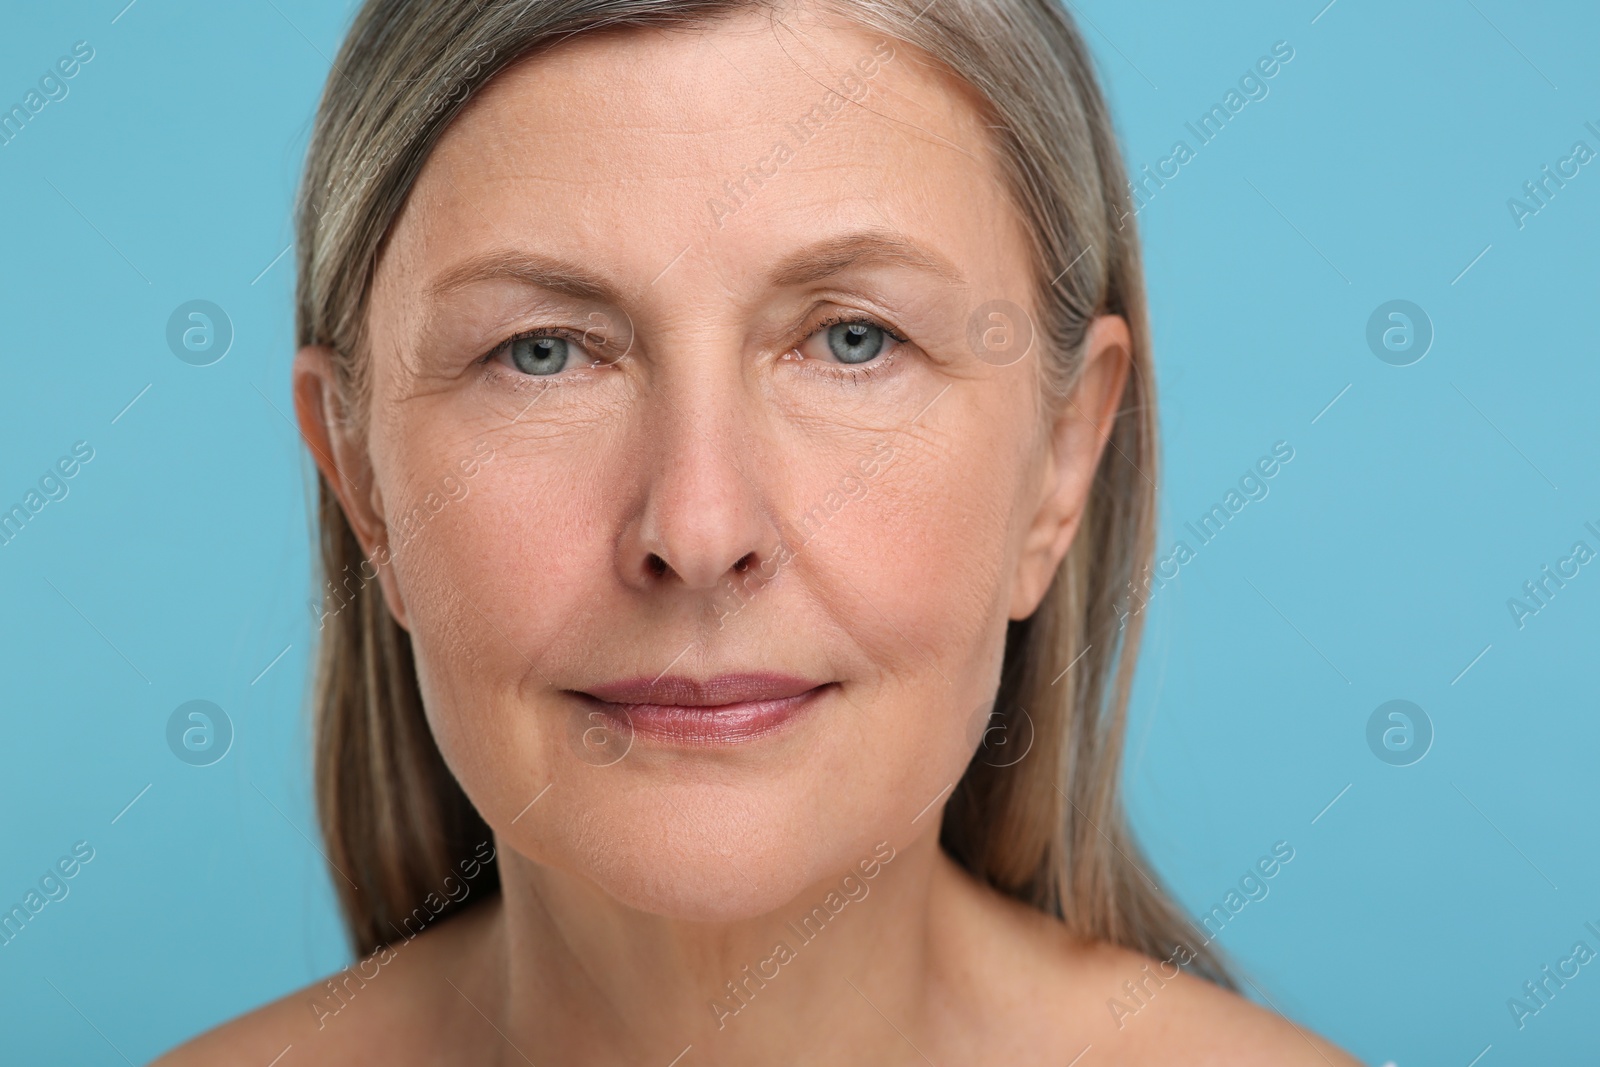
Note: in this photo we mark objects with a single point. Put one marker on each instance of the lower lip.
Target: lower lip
(720, 724)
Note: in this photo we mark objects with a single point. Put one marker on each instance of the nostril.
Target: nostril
(743, 563)
(657, 565)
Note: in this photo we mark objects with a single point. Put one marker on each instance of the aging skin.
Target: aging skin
(707, 414)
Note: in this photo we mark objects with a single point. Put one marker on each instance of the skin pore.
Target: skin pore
(663, 388)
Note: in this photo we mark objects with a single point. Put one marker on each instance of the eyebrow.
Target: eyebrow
(817, 262)
(552, 275)
(863, 248)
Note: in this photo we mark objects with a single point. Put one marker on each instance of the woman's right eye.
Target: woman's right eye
(540, 355)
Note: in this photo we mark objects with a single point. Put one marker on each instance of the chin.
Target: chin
(696, 852)
(701, 884)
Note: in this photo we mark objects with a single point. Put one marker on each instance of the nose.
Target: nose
(704, 516)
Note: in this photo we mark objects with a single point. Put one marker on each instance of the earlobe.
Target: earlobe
(343, 461)
(1081, 429)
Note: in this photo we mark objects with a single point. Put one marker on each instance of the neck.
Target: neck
(569, 974)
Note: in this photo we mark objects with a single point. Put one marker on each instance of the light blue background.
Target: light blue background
(1378, 567)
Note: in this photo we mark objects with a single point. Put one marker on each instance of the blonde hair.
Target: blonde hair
(1049, 829)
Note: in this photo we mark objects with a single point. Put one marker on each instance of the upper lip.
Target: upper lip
(681, 691)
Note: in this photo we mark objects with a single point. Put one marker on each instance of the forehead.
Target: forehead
(664, 160)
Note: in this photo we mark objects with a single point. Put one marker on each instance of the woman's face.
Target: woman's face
(707, 479)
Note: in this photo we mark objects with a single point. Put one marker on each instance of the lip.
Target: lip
(727, 709)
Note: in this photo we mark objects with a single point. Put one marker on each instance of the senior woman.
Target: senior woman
(735, 430)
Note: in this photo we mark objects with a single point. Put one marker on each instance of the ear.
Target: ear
(345, 463)
(1078, 437)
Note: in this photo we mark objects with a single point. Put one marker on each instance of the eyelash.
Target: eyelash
(838, 372)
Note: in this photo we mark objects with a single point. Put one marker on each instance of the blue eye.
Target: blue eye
(540, 355)
(850, 339)
(856, 342)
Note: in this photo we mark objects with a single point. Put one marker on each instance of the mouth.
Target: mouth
(728, 709)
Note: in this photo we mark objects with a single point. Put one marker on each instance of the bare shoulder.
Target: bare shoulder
(384, 1009)
(1056, 997)
(1159, 1014)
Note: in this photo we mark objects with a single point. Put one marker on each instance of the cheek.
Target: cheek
(920, 563)
(496, 585)
(918, 574)
(913, 576)
(504, 565)
(911, 570)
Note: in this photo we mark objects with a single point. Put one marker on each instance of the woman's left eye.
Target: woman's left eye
(850, 342)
